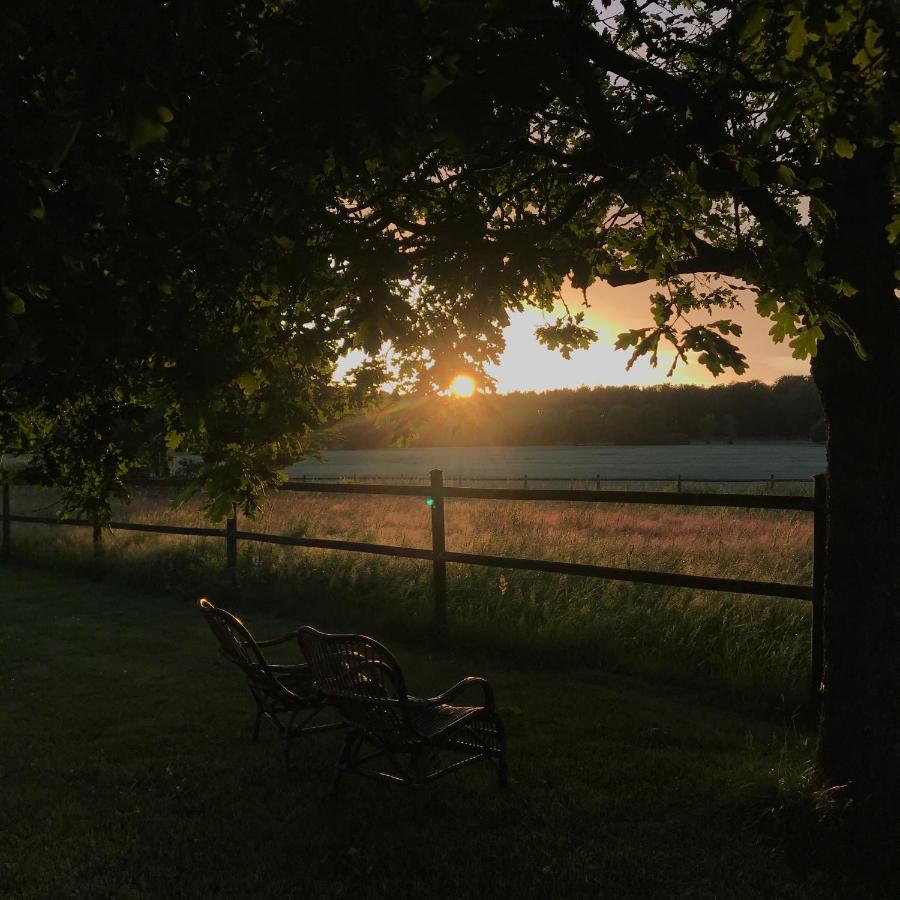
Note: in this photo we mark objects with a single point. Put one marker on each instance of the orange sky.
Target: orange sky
(527, 366)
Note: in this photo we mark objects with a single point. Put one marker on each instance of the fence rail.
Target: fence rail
(436, 492)
(664, 479)
(656, 498)
(677, 481)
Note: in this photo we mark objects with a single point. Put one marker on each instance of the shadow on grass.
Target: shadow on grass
(745, 651)
(128, 772)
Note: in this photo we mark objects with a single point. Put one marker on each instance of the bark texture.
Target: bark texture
(859, 743)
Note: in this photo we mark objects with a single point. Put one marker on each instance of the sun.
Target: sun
(462, 386)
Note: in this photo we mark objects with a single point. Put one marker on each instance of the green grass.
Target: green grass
(752, 650)
(127, 771)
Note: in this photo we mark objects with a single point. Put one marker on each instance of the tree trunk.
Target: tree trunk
(859, 743)
(860, 728)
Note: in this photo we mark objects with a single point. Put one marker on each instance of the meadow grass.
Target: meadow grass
(128, 772)
(753, 649)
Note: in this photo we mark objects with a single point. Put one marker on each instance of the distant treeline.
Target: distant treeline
(662, 414)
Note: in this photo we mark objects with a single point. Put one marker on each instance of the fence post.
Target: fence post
(6, 523)
(231, 547)
(820, 524)
(525, 482)
(97, 537)
(772, 483)
(597, 485)
(438, 548)
(679, 482)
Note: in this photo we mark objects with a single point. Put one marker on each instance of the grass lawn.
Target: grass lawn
(752, 649)
(127, 771)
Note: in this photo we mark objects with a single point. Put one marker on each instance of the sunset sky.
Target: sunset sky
(527, 366)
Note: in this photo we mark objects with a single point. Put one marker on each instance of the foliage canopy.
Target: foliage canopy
(206, 208)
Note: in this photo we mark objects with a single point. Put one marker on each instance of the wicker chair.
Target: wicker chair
(361, 679)
(283, 693)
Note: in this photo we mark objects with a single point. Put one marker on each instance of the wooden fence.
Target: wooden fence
(598, 481)
(437, 492)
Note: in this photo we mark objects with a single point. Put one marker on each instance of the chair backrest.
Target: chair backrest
(360, 678)
(235, 640)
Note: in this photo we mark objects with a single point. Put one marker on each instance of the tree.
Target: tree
(204, 208)
(708, 425)
(177, 265)
(676, 142)
(818, 432)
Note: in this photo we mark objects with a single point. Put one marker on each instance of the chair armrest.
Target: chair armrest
(460, 686)
(279, 640)
(289, 669)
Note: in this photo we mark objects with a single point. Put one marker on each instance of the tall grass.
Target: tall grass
(752, 648)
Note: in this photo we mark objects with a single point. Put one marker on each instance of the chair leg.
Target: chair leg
(502, 769)
(419, 765)
(502, 773)
(343, 760)
(288, 737)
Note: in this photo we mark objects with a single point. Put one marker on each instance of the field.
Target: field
(743, 459)
(755, 650)
(128, 772)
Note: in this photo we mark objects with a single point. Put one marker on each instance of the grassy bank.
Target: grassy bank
(754, 649)
(128, 772)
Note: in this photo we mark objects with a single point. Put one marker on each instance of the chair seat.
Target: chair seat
(433, 721)
(440, 725)
(299, 682)
(471, 729)
(481, 734)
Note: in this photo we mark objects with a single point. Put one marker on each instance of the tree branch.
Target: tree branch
(708, 259)
(702, 124)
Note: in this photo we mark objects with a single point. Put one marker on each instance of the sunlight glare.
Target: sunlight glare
(462, 386)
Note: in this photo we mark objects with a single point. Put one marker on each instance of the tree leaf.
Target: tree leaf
(893, 229)
(766, 305)
(754, 24)
(844, 148)
(786, 175)
(435, 83)
(804, 344)
(248, 382)
(15, 305)
(145, 130)
(842, 23)
(798, 37)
